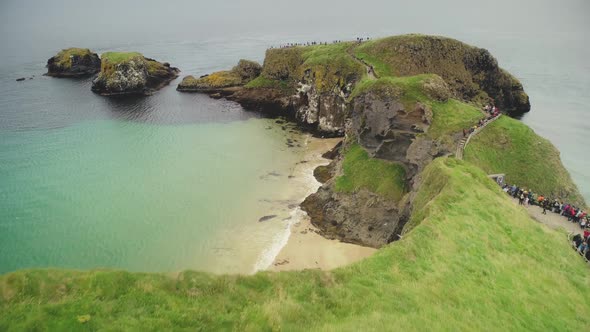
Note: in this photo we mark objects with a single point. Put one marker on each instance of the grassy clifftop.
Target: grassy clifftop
(471, 72)
(528, 160)
(465, 266)
(329, 65)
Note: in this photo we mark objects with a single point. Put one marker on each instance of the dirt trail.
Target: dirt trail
(370, 71)
(552, 220)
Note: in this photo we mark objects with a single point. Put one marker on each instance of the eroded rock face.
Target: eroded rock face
(326, 112)
(135, 75)
(73, 62)
(387, 130)
(362, 217)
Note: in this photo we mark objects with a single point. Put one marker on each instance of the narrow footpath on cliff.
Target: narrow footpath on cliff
(370, 70)
(551, 219)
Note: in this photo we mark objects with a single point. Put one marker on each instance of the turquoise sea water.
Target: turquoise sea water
(140, 196)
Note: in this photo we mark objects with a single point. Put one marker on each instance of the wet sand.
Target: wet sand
(308, 250)
(305, 248)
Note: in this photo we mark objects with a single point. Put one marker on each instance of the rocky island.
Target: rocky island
(73, 62)
(124, 73)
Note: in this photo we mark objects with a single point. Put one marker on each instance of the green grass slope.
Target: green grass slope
(465, 266)
(379, 176)
(528, 160)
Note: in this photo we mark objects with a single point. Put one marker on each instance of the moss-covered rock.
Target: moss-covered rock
(131, 73)
(244, 72)
(73, 62)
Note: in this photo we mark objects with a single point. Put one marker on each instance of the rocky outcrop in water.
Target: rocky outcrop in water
(73, 62)
(132, 73)
(244, 72)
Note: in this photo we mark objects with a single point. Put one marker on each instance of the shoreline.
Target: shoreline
(304, 248)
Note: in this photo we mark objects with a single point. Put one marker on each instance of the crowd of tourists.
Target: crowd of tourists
(491, 113)
(570, 212)
(313, 43)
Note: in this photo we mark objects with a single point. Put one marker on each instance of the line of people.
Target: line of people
(491, 113)
(574, 214)
(581, 243)
(313, 43)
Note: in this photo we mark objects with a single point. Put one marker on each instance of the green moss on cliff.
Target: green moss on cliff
(363, 172)
(528, 160)
(64, 57)
(244, 72)
(156, 68)
(263, 82)
(465, 266)
(329, 66)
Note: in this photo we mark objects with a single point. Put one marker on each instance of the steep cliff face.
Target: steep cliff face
(309, 84)
(394, 129)
(131, 73)
(73, 62)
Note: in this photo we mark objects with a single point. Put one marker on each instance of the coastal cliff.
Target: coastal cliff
(124, 73)
(399, 102)
(73, 62)
(468, 258)
(313, 84)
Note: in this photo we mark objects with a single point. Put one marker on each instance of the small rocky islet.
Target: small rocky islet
(73, 62)
(119, 73)
(124, 73)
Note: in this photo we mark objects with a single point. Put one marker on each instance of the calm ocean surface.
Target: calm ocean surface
(178, 181)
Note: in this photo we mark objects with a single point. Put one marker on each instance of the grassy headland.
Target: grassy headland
(528, 160)
(465, 266)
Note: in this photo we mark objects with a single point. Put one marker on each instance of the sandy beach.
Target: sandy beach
(305, 248)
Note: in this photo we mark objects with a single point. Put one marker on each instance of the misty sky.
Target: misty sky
(36, 25)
